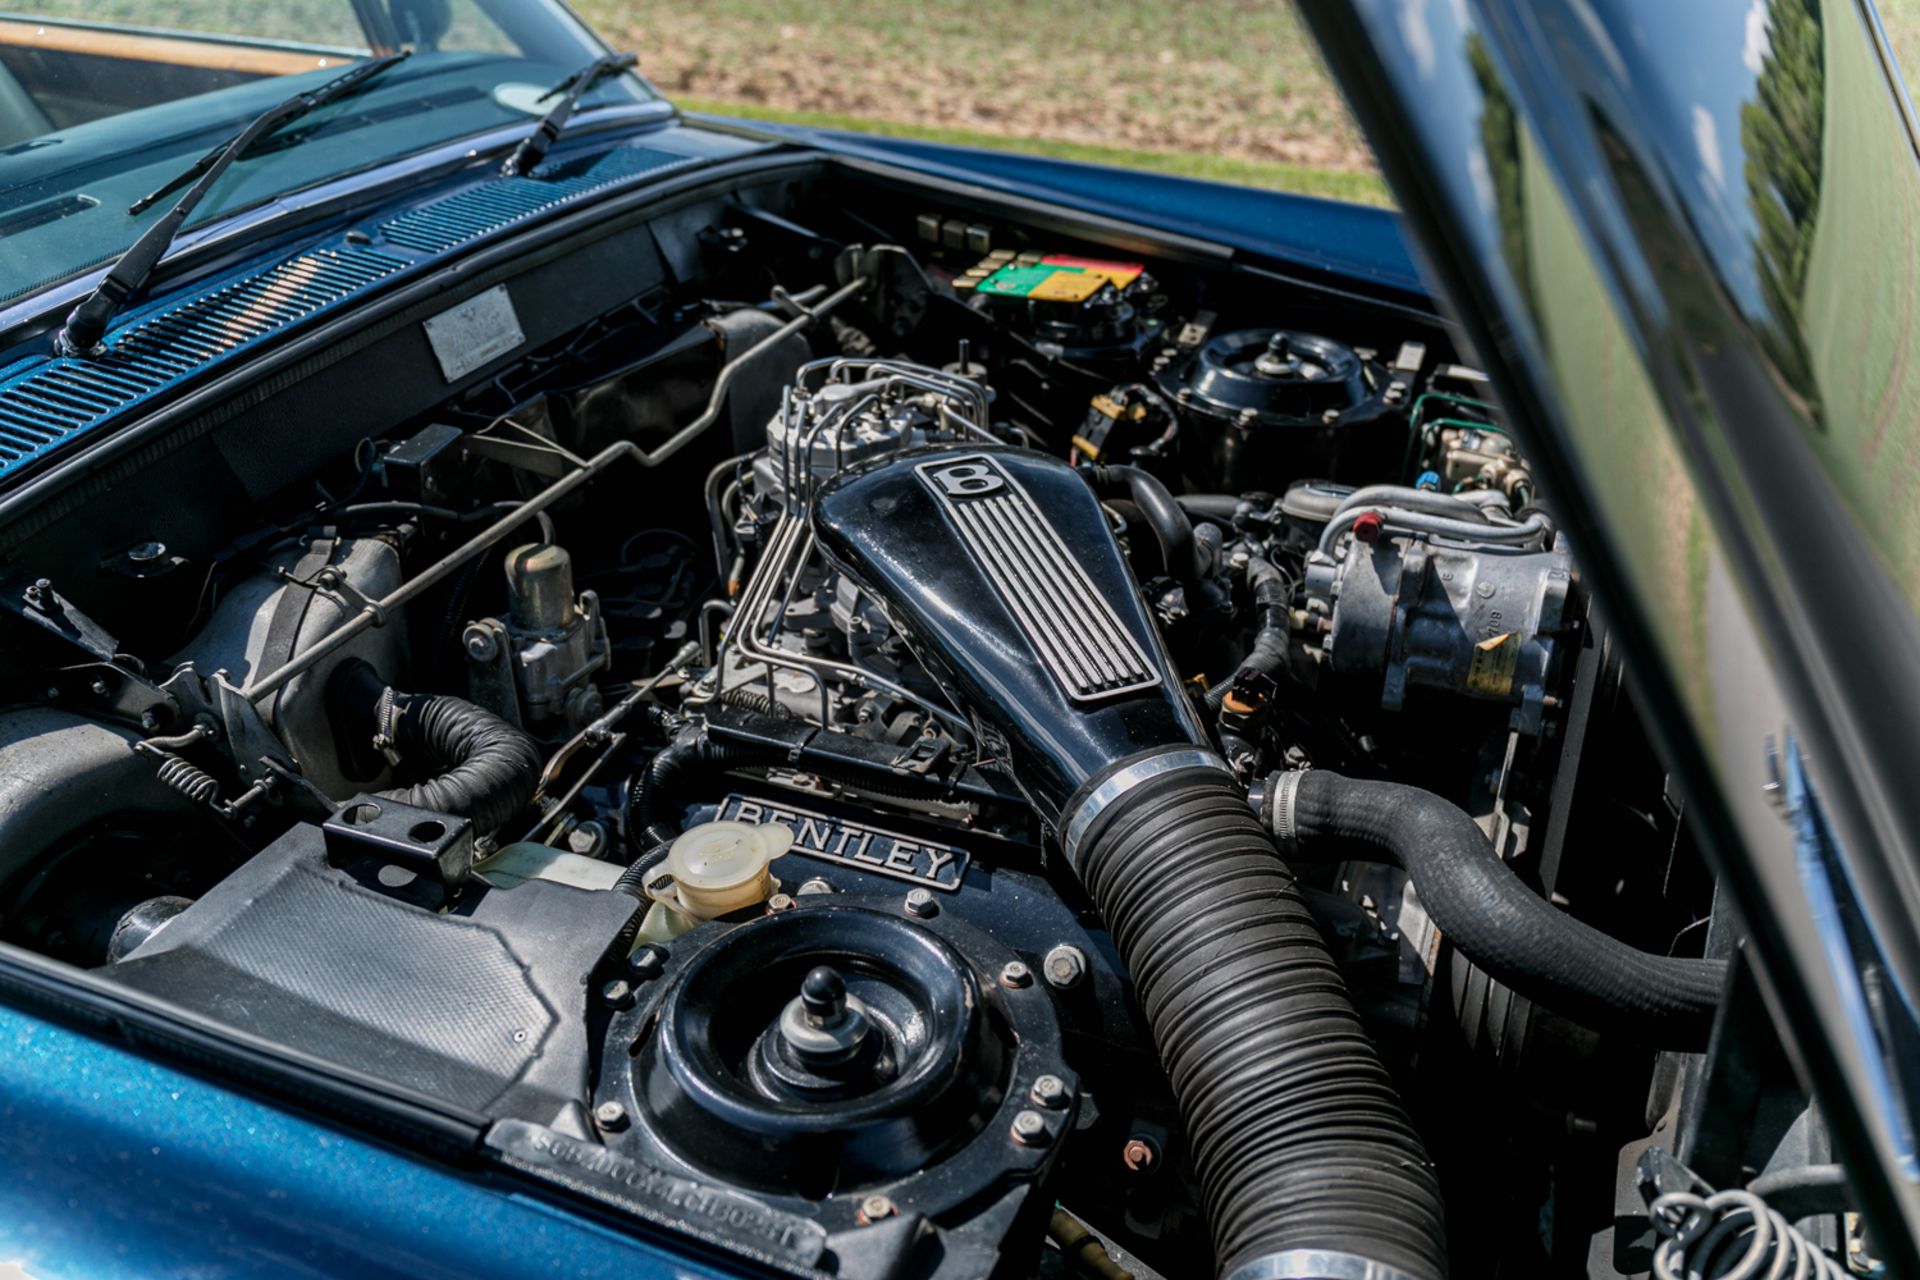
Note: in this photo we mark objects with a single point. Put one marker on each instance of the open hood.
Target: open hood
(1681, 236)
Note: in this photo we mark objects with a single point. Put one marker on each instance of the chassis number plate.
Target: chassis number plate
(886, 853)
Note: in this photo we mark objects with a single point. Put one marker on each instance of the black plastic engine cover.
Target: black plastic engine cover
(1000, 569)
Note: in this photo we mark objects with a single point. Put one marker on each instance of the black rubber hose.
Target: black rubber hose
(1171, 527)
(657, 795)
(1218, 507)
(1492, 917)
(483, 768)
(1297, 1133)
(488, 769)
(1271, 590)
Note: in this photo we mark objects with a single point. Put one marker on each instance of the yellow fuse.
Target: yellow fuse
(1068, 286)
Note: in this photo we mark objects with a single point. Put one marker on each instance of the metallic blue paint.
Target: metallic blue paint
(113, 1165)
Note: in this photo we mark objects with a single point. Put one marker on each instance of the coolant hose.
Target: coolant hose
(1308, 1165)
(1171, 527)
(1491, 916)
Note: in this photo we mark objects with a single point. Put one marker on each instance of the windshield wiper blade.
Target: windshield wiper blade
(533, 148)
(87, 322)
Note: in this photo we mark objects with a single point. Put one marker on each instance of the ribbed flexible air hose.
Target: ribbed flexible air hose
(1297, 1133)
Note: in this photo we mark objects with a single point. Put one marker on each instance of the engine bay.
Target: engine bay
(896, 737)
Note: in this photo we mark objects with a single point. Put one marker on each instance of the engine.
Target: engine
(994, 760)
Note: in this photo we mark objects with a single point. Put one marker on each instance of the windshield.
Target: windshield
(102, 101)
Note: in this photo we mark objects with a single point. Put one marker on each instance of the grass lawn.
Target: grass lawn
(1229, 90)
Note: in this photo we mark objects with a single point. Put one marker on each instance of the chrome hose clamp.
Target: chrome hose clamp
(1280, 811)
(1073, 827)
(1316, 1264)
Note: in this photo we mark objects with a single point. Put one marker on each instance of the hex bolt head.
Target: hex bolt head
(1015, 974)
(618, 994)
(921, 902)
(646, 963)
(1064, 966)
(1050, 1092)
(480, 643)
(146, 552)
(587, 838)
(1030, 1129)
(875, 1208)
(610, 1116)
(816, 885)
(780, 902)
(1140, 1154)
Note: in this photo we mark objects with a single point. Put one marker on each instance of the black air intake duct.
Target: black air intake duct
(999, 568)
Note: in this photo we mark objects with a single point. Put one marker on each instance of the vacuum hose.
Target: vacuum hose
(1271, 592)
(1308, 1166)
(1492, 916)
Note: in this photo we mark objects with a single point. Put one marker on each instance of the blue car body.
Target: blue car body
(119, 1163)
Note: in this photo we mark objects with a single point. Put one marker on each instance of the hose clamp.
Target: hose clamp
(1316, 1264)
(1283, 798)
(1122, 780)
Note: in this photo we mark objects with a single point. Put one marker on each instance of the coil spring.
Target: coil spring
(191, 781)
(1731, 1235)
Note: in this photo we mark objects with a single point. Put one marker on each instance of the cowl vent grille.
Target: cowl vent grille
(47, 402)
(52, 401)
(465, 215)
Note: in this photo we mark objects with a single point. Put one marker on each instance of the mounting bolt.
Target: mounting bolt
(587, 838)
(150, 720)
(1064, 966)
(618, 994)
(646, 963)
(780, 902)
(480, 643)
(1015, 974)
(146, 552)
(100, 689)
(1050, 1092)
(875, 1208)
(816, 885)
(1030, 1129)
(920, 902)
(610, 1116)
(1140, 1154)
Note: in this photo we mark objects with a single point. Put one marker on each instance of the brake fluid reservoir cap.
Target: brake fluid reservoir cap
(719, 867)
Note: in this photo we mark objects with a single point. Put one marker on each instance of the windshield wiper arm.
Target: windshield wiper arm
(533, 148)
(87, 323)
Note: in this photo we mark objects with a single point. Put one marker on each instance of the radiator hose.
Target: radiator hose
(1491, 916)
(1309, 1167)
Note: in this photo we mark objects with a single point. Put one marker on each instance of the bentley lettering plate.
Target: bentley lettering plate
(886, 853)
